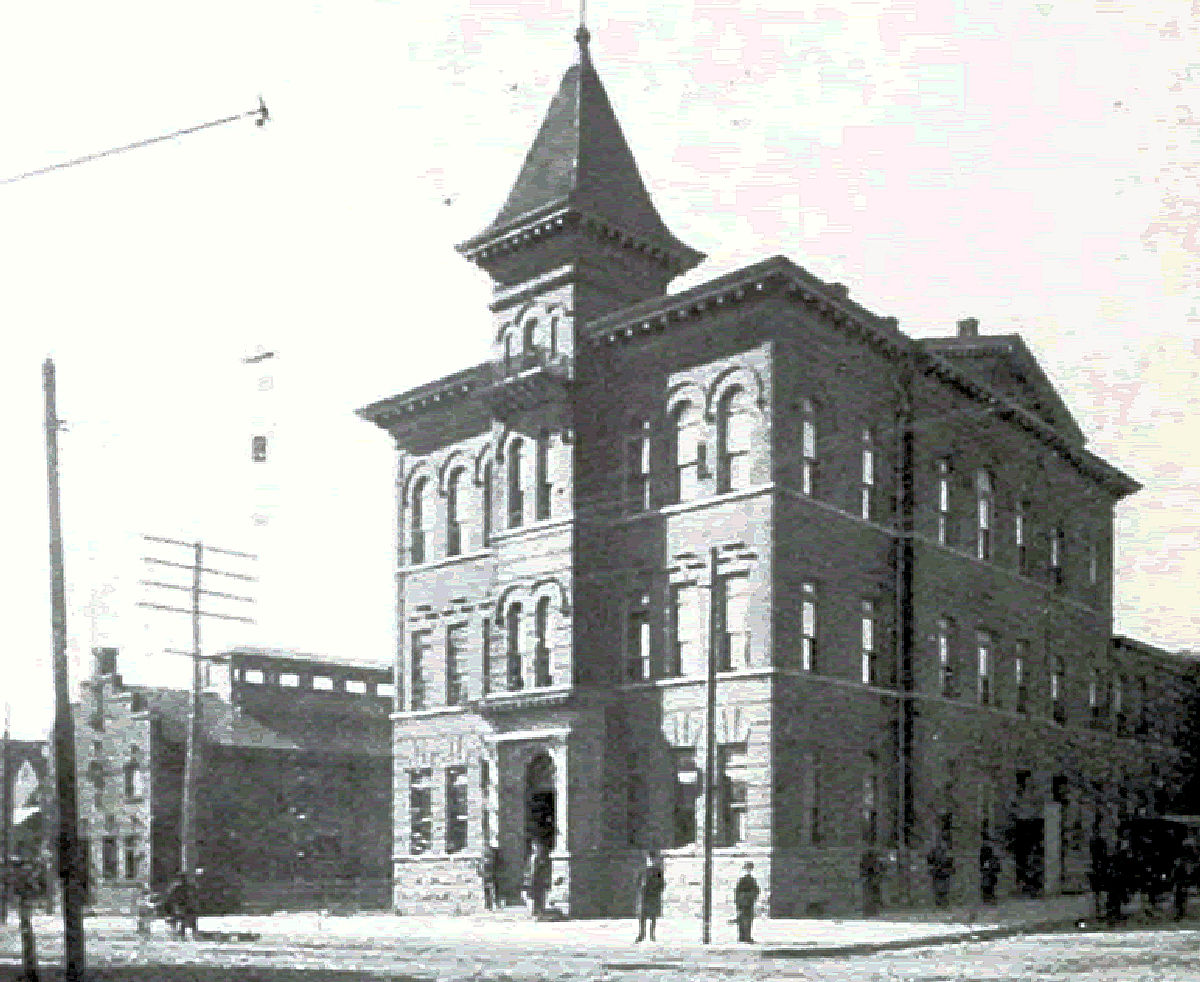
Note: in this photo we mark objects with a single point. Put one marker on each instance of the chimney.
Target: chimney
(968, 327)
(104, 661)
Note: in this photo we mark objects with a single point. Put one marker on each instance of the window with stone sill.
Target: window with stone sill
(541, 643)
(543, 487)
(637, 632)
(808, 448)
(1019, 536)
(637, 467)
(870, 667)
(133, 858)
(983, 647)
(944, 660)
(453, 528)
(456, 644)
(867, 488)
(416, 520)
(733, 775)
(688, 631)
(808, 627)
(420, 810)
(456, 808)
(1020, 661)
(516, 494)
(687, 793)
(734, 619)
(735, 440)
(422, 642)
(944, 525)
(512, 631)
(985, 507)
(688, 453)
(110, 867)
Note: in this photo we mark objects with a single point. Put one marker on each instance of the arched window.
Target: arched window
(553, 336)
(541, 651)
(985, 513)
(688, 452)
(637, 466)
(512, 629)
(416, 520)
(516, 497)
(453, 529)
(529, 335)
(508, 352)
(735, 440)
(487, 503)
(541, 510)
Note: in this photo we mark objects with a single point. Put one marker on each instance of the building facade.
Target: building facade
(294, 790)
(897, 551)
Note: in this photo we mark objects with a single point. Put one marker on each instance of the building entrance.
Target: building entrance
(540, 804)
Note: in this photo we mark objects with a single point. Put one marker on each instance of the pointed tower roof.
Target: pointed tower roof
(580, 166)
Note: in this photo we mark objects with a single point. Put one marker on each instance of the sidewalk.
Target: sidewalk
(612, 940)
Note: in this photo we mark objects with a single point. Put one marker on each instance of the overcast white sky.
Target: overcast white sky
(1031, 164)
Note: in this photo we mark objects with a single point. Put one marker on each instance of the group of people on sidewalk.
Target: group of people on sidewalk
(648, 889)
(1116, 874)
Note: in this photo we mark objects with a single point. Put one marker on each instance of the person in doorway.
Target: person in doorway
(649, 894)
(870, 872)
(989, 871)
(941, 870)
(183, 905)
(745, 896)
(1097, 870)
(489, 875)
(538, 878)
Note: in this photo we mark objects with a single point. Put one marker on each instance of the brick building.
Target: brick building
(294, 792)
(900, 549)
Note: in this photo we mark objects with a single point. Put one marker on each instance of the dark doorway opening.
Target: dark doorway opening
(540, 803)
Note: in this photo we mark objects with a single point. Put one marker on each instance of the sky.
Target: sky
(1033, 165)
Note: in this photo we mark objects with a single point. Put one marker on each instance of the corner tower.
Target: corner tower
(578, 235)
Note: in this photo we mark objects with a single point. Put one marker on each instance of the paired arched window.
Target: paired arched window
(487, 503)
(418, 515)
(512, 630)
(542, 489)
(516, 495)
(688, 451)
(541, 651)
(735, 440)
(453, 526)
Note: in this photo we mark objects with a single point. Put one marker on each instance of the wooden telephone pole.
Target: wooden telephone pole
(710, 749)
(70, 862)
(192, 762)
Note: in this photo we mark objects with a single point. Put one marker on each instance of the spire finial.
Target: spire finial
(583, 35)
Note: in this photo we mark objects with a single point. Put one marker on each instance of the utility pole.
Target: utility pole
(192, 761)
(69, 859)
(710, 750)
(7, 812)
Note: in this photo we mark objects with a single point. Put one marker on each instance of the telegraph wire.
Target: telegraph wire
(259, 114)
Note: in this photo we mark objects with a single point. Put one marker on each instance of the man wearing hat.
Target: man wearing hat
(745, 895)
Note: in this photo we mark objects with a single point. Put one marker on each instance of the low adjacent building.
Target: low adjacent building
(294, 793)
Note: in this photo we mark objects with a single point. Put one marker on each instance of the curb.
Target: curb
(928, 941)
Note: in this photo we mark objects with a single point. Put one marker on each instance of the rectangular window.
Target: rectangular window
(109, 858)
(542, 473)
(253, 676)
(1058, 706)
(808, 627)
(984, 505)
(322, 683)
(637, 468)
(456, 808)
(736, 444)
(420, 810)
(687, 791)
(1118, 708)
(810, 804)
(688, 630)
(289, 680)
(1057, 557)
(456, 681)
(1095, 699)
(867, 495)
(983, 646)
(734, 652)
(133, 862)
(385, 690)
(943, 502)
(869, 667)
(945, 664)
(732, 764)
(808, 448)
(637, 632)
(357, 686)
(1020, 660)
(418, 655)
(1019, 536)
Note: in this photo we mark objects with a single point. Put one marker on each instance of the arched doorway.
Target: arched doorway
(540, 825)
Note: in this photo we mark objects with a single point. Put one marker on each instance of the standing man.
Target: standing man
(538, 878)
(489, 875)
(649, 894)
(745, 896)
(989, 871)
